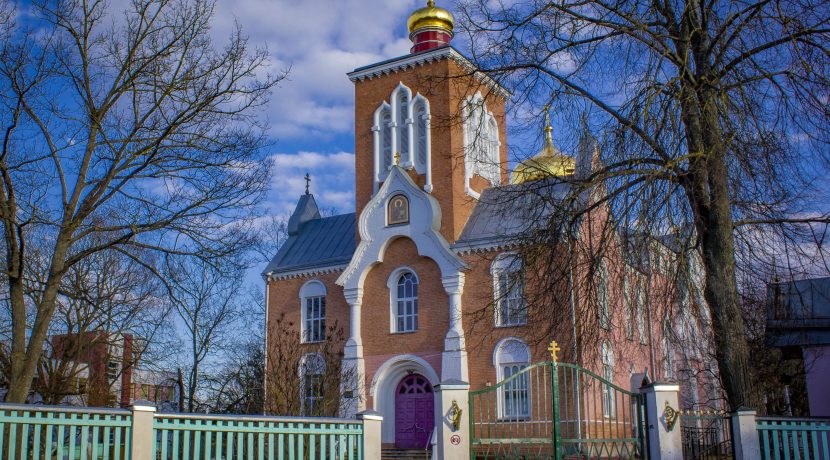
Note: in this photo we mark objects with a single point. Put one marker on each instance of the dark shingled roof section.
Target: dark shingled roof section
(324, 242)
(509, 210)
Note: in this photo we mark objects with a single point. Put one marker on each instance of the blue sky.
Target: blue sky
(311, 115)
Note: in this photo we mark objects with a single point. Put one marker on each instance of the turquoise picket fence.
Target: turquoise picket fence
(197, 437)
(33, 432)
(64, 433)
(786, 438)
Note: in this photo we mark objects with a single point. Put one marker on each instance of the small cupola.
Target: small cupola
(430, 27)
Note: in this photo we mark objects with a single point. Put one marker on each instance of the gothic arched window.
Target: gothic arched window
(481, 142)
(403, 286)
(511, 357)
(402, 126)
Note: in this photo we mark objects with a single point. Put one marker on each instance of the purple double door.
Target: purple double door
(414, 412)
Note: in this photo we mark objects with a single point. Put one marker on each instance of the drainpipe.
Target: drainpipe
(573, 331)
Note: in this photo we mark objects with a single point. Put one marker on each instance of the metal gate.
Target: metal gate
(551, 410)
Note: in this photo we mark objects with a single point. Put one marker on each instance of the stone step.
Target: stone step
(405, 454)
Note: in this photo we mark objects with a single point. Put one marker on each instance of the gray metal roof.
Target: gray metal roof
(509, 210)
(320, 242)
(799, 312)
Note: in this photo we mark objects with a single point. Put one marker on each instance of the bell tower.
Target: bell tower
(432, 114)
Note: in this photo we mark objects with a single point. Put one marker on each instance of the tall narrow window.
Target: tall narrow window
(508, 291)
(312, 372)
(601, 283)
(668, 361)
(511, 359)
(313, 304)
(405, 302)
(609, 407)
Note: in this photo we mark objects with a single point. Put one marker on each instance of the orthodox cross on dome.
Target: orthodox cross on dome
(554, 350)
(548, 127)
(397, 158)
(307, 182)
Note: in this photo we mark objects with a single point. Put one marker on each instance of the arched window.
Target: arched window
(313, 312)
(403, 286)
(510, 358)
(402, 126)
(312, 373)
(481, 143)
(641, 309)
(508, 290)
(601, 283)
(609, 409)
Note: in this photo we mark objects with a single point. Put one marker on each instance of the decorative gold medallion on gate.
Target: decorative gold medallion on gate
(671, 416)
(455, 415)
(554, 350)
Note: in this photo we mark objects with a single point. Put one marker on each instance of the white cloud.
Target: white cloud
(332, 180)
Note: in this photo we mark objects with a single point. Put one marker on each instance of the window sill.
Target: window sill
(311, 342)
(521, 418)
(404, 332)
(505, 326)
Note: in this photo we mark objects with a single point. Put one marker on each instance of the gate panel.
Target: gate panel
(553, 410)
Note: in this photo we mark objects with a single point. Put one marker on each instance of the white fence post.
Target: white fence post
(453, 424)
(663, 421)
(745, 442)
(371, 434)
(143, 443)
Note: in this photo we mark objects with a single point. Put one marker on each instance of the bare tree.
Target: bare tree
(208, 303)
(716, 116)
(133, 127)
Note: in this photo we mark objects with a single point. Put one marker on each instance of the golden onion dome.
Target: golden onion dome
(430, 16)
(549, 162)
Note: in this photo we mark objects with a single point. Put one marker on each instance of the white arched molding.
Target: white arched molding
(402, 125)
(385, 381)
(392, 284)
(510, 357)
(312, 316)
(481, 143)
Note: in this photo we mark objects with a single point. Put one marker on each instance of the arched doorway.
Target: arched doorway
(414, 412)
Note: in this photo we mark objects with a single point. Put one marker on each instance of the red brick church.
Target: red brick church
(408, 274)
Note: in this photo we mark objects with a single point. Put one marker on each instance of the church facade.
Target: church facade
(424, 279)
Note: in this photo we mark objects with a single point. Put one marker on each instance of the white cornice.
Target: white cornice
(305, 273)
(413, 60)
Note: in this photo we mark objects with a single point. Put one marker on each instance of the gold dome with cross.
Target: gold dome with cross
(549, 162)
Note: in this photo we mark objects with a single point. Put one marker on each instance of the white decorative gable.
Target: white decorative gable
(376, 233)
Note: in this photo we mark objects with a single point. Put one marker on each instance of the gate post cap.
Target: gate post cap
(369, 415)
(142, 405)
(660, 386)
(453, 384)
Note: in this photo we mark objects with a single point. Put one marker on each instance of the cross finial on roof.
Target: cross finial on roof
(307, 183)
(548, 128)
(397, 158)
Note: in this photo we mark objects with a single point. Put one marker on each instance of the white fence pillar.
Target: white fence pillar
(745, 442)
(452, 429)
(143, 442)
(371, 434)
(663, 421)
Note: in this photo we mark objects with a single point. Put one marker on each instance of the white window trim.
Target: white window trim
(506, 263)
(500, 406)
(392, 284)
(311, 288)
